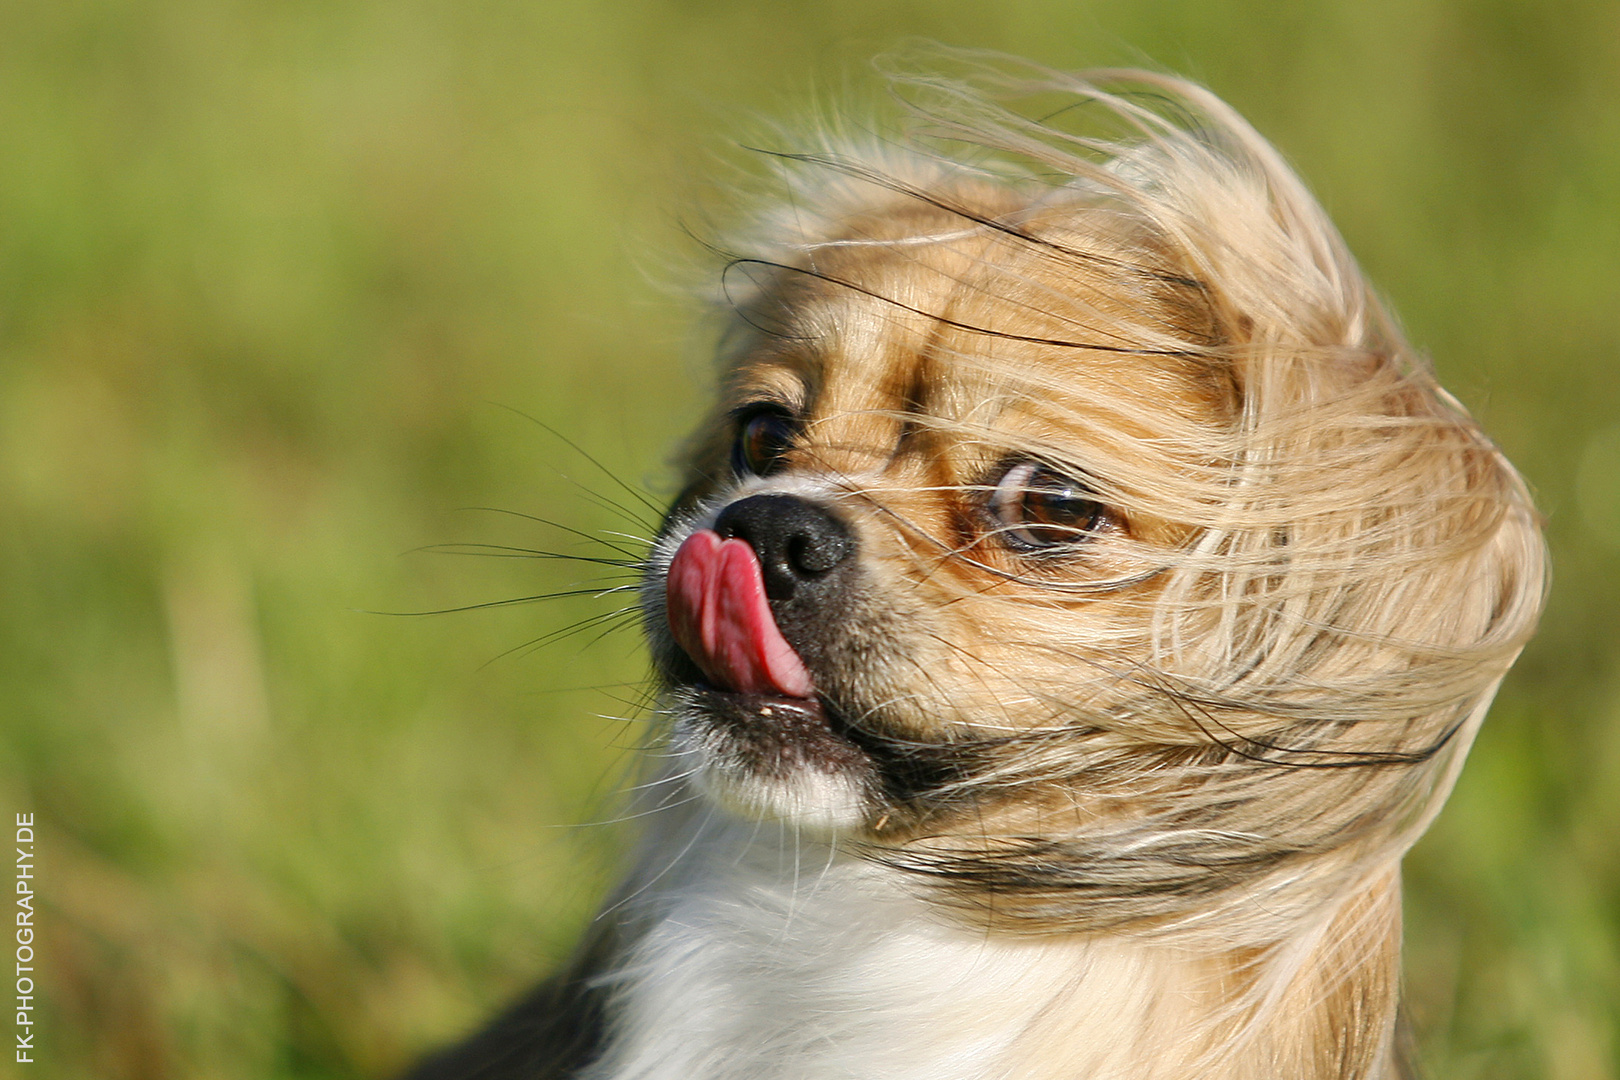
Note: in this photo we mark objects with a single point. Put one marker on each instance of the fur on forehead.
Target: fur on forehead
(1186, 206)
(1353, 565)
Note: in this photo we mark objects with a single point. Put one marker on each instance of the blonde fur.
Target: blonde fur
(1213, 741)
(1131, 805)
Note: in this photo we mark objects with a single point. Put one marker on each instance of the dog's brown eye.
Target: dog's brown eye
(764, 436)
(1035, 508)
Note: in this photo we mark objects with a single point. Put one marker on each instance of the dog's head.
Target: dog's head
(1076, 530)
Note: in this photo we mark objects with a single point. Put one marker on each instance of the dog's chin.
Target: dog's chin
(775, 758)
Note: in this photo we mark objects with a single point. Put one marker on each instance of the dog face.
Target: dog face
(919, 484)
(1091, 545)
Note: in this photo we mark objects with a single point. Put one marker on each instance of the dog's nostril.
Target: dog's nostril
(796, 540)
(817, 553)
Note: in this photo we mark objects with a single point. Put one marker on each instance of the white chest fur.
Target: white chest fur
(773, 958)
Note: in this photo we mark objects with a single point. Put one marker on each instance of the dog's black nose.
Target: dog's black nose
(799, 543)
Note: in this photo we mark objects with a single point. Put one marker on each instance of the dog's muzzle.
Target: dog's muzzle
(751, 599)
(805, 553)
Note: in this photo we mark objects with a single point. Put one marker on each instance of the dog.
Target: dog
(1079, 599)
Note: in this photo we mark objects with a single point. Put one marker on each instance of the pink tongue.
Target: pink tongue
(715, 597)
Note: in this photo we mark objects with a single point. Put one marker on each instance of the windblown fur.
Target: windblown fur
(1116, 789)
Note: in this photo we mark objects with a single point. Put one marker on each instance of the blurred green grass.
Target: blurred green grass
(273, 274)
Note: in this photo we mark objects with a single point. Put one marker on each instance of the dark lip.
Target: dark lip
(700, 691)
(782, 732)
(786, 731)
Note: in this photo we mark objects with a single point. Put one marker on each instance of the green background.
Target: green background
(273, 277)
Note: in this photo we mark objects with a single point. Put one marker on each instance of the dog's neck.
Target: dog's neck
(766, 954)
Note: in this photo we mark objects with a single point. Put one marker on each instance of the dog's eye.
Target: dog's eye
(764, 436)
(1035, 508)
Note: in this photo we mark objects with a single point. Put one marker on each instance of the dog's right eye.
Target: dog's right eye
(764, 436)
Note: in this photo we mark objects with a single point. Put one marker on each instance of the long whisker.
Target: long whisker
(626, 512)
(559, 635)
(536, 598)
(697, 834)
(658, 511)
(594, 538)
(506, 551)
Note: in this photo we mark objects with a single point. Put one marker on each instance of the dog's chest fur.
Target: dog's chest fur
(773, 957)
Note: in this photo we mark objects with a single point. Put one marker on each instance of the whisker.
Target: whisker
(637, 815)
(594, 538)
(658, 511)
(593, 687)
(506, 551)
(697, 833)
(558, 635)
(564, 594)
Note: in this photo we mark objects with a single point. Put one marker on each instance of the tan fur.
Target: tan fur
(1153, 784)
